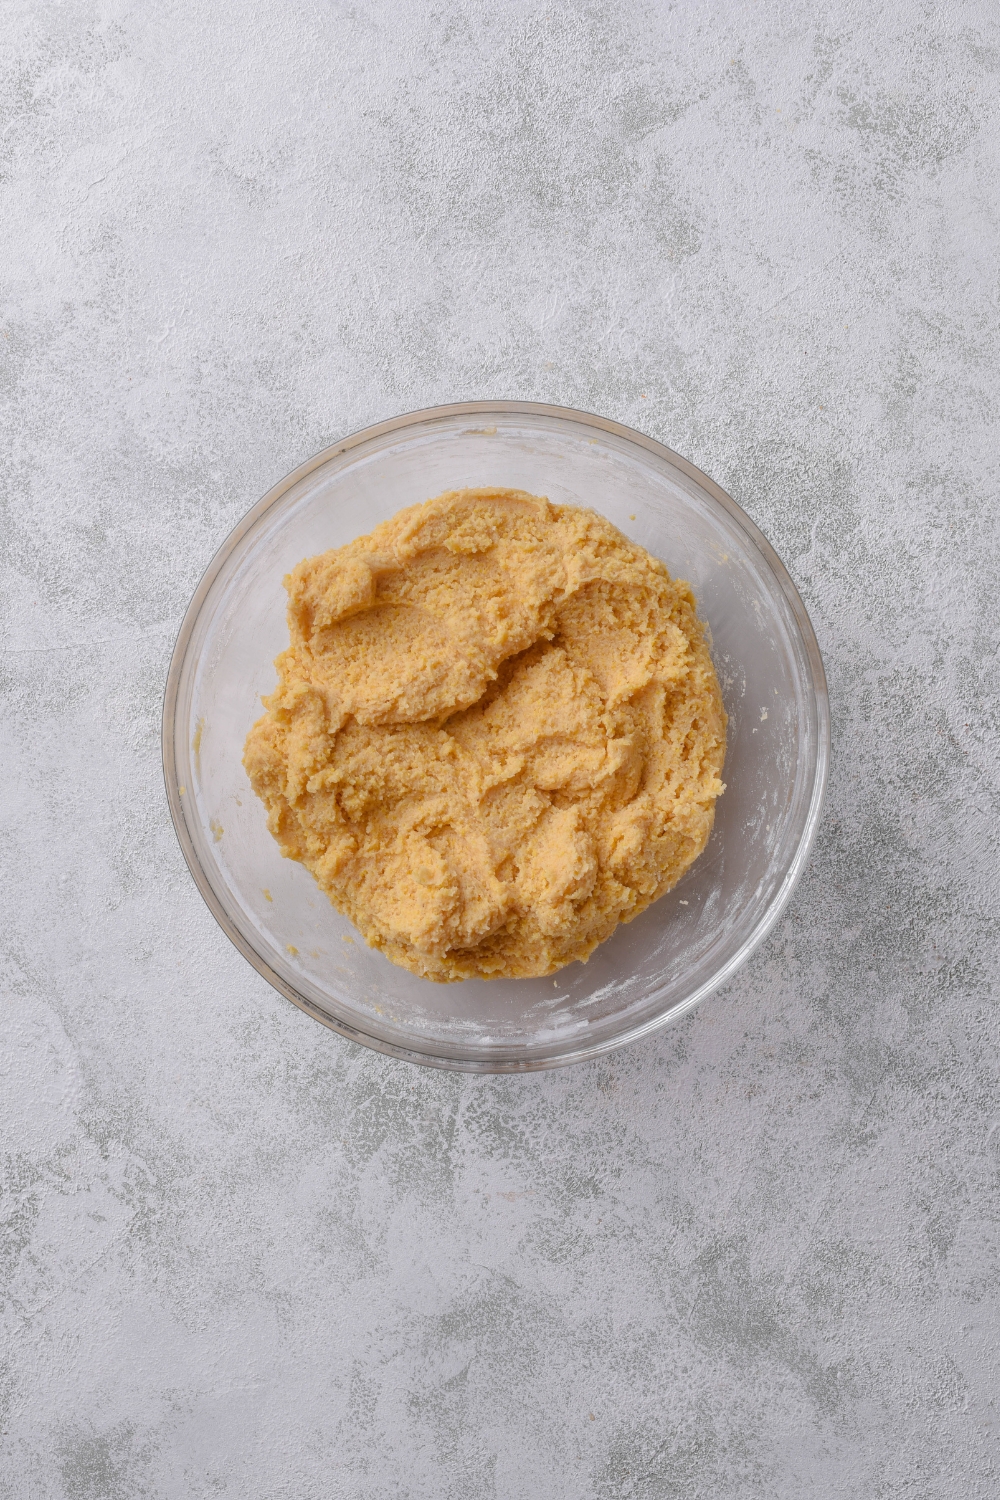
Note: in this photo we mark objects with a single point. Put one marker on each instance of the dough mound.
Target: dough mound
(497, 733)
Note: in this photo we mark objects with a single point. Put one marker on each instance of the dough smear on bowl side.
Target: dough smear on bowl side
(497, 733)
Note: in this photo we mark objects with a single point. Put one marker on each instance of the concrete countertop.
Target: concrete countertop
(754, 1256)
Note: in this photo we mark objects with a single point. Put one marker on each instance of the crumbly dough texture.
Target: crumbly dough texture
(497, 733)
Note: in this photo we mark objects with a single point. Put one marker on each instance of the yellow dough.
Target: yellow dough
(497, 733)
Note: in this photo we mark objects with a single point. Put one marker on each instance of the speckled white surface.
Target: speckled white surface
(756, 1256)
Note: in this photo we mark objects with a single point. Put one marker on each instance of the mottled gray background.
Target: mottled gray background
(758, 1255)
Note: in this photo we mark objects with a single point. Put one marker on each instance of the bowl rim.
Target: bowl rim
(767, 920)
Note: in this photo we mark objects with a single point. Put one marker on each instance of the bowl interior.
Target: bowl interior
(651, 969)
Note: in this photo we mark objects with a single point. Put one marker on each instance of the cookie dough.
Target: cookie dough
(497, 733)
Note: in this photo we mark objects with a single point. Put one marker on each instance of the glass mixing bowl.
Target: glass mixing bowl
(651, 970)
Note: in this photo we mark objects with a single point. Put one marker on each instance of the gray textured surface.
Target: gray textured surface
(757, 1256)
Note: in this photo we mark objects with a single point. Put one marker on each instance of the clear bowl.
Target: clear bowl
(650, 971)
